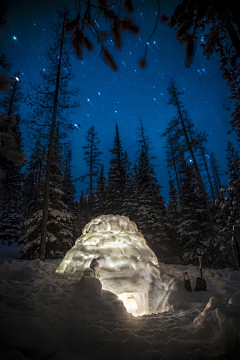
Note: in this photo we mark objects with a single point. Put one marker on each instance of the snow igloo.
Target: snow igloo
(129, 268)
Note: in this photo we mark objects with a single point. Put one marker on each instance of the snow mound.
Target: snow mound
(47, 317)
(129, 268)
(90, 297)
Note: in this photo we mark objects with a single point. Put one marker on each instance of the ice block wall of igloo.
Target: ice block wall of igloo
(129, 268)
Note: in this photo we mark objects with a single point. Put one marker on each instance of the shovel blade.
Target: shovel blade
(201, 284)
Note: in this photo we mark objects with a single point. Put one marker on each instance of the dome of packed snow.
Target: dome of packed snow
(128, 267)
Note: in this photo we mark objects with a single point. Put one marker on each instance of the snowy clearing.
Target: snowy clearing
(43, 316)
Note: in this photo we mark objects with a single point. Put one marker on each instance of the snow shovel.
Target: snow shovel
(201, 284)
(187, 282)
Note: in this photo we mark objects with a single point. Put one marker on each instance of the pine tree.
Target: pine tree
(173, 221)
(193, 228)
(69, 190)
(34, 177)
(12, 213)
(129, 204)
(172, 158)
(82, 214)
(203, 154)
(117, 178)
(91, 158)
(59, 226)
(233, 198)
(150, 214)
(182, 130)
(9, 149)
(12, 206)
(101, 194)
(216, 173)
(49, 101)
(227, 210)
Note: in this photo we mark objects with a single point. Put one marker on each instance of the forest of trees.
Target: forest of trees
(38, 206)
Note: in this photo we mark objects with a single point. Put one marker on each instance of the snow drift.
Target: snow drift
(47, 317)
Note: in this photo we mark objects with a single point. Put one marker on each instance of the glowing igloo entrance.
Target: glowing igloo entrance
(129, 268)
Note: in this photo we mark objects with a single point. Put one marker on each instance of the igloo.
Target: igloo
(129, 268)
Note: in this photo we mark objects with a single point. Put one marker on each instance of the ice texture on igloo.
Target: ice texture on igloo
(128, 267)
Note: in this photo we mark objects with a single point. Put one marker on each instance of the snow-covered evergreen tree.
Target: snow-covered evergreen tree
(50, 100)
(172, 155)
(227, 209)
(34, 177)
(59, 225)
(117, 178)
(129, 205)
(101, 194)
(204, 164)
(173, 221)
(232, 193)
(91, 157)
(193, 227)
(82, 214)
(69, 190)
(216, 175)
(185, 139)
(11, 199)
(150, 213)
(10, 153)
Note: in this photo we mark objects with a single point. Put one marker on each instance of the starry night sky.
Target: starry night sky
(107, 97)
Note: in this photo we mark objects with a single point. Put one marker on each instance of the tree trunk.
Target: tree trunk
(211, 223)
(42, 251)
(206, 168)
(12, 98)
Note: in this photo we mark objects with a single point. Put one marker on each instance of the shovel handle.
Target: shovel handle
(200, 260)
(200, 264)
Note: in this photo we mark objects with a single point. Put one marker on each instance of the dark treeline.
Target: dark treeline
(197, 220)
(39, 208)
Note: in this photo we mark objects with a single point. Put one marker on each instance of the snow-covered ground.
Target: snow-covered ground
(44, 316)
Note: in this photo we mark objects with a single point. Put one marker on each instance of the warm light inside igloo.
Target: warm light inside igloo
(128, 267)
(130, 303)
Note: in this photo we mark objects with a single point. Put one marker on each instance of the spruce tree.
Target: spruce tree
(129, 204)
(11, 198)
(193, 227)
(82, 214)
(101, 194)
(227, 210)
(34, 177)
(59, 235)
(216, 175)
(182, 130)
(233, 191)
(172, 155)
(91, 158)
(49, 102)
(173, 216)
(150, 214)
(69, 190)
(117, 178)
(203, 155)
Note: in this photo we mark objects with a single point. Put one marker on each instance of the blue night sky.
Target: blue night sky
(107, 97)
